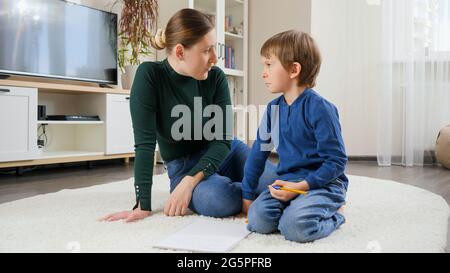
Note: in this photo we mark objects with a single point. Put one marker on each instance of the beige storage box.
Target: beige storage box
(443, 147)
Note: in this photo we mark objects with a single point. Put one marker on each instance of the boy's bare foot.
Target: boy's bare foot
(240, 215)
(341, 209)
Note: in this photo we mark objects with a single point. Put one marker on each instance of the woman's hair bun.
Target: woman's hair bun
(159, 40)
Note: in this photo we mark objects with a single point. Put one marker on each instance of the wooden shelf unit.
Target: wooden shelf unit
(74, 156)
(47, 86)
(62, 88)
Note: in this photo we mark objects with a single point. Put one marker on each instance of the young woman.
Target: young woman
(204, 174)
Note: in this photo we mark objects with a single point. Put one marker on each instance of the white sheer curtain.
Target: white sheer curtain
(414, 99)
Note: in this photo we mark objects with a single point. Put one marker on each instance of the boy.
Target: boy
(305, 130)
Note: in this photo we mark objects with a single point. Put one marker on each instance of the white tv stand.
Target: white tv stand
(68, 141)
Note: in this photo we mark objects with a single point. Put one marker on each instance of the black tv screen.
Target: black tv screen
(57, 39)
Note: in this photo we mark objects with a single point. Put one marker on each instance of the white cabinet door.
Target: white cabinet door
(18, 123)
(119, 129)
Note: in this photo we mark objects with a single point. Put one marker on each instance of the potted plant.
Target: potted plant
(137, 23)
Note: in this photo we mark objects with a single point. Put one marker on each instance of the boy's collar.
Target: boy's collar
(299, 98)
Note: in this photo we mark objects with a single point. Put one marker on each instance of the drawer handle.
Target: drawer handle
(127, 98)
(5, 90)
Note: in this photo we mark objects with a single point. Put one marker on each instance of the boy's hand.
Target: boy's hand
(245, 205)
(286, 196)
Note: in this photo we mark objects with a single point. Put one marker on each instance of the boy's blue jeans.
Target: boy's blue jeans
(220, 195)
(303, 219)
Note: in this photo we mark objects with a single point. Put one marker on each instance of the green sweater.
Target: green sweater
(157, 88)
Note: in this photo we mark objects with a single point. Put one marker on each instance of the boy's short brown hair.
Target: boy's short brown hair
(295, 46)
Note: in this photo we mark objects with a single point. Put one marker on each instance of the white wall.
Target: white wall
(166, 10)
(347, 41)
(99, 4)
(267, 18)
(328, 22)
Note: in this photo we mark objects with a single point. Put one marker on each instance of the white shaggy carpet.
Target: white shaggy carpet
(382, 216)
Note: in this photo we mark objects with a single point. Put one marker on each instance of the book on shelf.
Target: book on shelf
(231, 87)
(233, 64)
(230, 58)
(226, 57)
(228, 23)
(235, 90)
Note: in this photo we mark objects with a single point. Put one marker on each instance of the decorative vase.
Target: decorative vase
(128, 76)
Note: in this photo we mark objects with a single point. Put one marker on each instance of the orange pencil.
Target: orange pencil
(289, 190)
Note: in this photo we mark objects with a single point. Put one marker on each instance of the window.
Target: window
(442, 37)
(431, 26)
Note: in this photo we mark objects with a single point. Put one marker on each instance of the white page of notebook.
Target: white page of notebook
(206, 236)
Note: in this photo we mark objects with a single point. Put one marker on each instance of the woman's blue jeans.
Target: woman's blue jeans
(219, 195)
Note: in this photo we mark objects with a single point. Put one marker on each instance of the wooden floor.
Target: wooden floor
(71, 176)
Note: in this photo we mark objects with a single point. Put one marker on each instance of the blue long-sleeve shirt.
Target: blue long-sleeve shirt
(307, 137)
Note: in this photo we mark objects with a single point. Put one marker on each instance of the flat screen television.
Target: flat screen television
(58, 39)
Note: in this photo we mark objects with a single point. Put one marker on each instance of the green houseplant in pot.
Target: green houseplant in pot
(137, 23)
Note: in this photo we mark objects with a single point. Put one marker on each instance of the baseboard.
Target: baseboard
(362, 158)
(429, 158)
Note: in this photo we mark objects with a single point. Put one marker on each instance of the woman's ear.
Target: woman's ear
(179, 52)
(296, 69)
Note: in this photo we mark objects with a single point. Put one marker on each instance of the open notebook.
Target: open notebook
(206, 236)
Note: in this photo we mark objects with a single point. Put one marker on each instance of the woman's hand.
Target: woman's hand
(286, 196)
(128, 216)
(179, 200)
